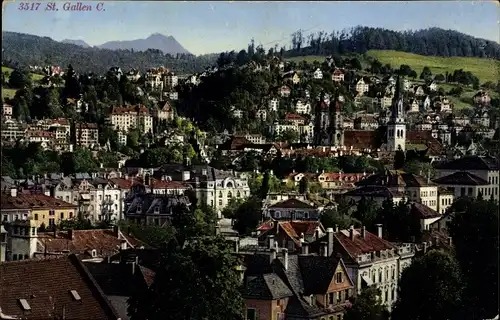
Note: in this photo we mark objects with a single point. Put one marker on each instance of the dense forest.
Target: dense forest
(428, 42)
(24, 50)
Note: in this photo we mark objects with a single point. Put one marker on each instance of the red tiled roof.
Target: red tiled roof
(40, 133)
(104, 241)
(340, 176)
(338, 72)
(46, 286)
(293, 116)
(87, 126)
(358, 246)
(294, 229)
(422, 211)
(360, 139)
(130, 109)
(33, 201)
(164, 184)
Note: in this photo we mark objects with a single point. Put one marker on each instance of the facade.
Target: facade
(12, 130)
(42, 209)
(370, 260)
(470, 175)
(7, 111)
(87, 134)
(278, 285)
(126, 118)
(165, 112)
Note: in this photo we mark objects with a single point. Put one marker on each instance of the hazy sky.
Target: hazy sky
(206, 27)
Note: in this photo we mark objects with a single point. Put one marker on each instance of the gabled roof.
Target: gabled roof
(292, 204)
(370, 243)
(462, 178)
(53, 289)
(266, 287)
(470, 163)
(33, 201)
(422, 211)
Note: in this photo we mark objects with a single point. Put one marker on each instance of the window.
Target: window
(220, 202)
(229, 195)
(251, 314)
(71, 215)
(238, 194)
(462, 192)
(380, 275)
(393, 273)
(62, 215)
(5, 217)
(338, 277)
(330, 298)
(36, 216)
(51, 222)
(51, 212)
(339, 297)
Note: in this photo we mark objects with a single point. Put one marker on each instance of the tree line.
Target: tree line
(427, 42)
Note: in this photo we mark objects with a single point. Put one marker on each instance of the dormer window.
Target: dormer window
(94, 253)
(157, 209)
(139, 208)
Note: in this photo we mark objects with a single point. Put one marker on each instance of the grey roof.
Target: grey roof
(267, 286)
(148, 202)
(373, 191)
(470, 163)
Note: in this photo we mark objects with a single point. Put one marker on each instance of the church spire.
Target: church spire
(397, 103)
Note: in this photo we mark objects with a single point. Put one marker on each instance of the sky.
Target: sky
(209, 27)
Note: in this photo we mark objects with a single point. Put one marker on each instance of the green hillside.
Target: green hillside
(34, 76)
(484, 69)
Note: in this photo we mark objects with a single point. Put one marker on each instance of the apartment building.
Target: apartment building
(87, 134)
(125, 118)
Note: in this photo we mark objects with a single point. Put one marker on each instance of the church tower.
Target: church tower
(396, 127)
(337, 124)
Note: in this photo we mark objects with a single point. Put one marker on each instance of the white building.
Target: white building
(469, 176)
(87, 134)
(318, 74)
(274, 104)
(379, 264)
(126, 118)
(171, 80)
(302, 107)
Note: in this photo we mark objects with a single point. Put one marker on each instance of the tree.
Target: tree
(199, 281)
(81, 160)
(367, 306)
(431, 289)
(439, 77)
(366, 212)
(289, 136)
(304, 185)
(248, 215)
(474, 230)
(426, 73)
(20, 78)
(331, 218)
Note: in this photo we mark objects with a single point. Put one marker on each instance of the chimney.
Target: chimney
(70, 234)
(271, 241)
(379, 230)
(116, 231)
(305, 248)
(329, 233)
(324, 249)
(450, 241)
(285, 258)
(363, 232)
(133, 267)
(272, 257)
(13, 192)
(123, 245)
(351, 233)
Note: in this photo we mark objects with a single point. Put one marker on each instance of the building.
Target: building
(302, 107)
(87, 134)
(12, 130)
(318, 74)
(128, 117)
(338, 75)
(369, 259)
(290, 234)
(273, 104)
(42, 209)
(152, 209)
(396, 128)
(165, 112)
(409, 186)
(60, 288)
(278, 285)
(171, 80)
(7, 111)
(470, 175)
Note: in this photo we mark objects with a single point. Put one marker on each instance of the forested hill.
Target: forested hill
(24, 50)
(429, 42)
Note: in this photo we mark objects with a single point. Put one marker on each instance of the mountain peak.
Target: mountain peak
(167, 44)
